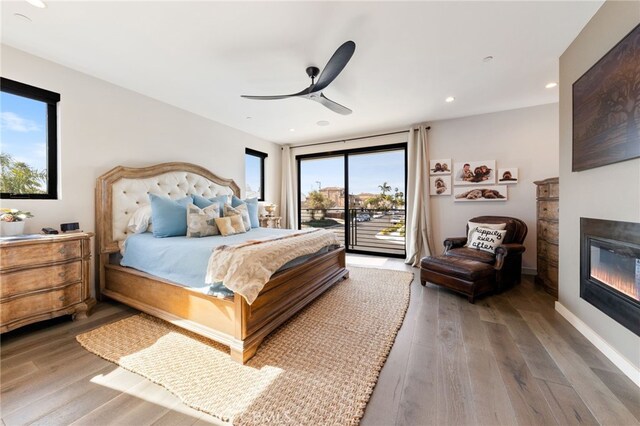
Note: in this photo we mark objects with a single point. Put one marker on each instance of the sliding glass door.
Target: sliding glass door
(371, 218)
(321, 194)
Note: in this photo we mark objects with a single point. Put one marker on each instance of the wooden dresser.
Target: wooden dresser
(548, 195)
(44, 278)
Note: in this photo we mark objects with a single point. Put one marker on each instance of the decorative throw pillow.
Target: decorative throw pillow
(486, 239)
(473, 225)
(202, 222)
(140, 221)
(252, 207)
(230, 225)
(202, 202)
(169, 216)
(241, 211)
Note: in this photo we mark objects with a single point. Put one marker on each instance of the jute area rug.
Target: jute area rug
(319, 368)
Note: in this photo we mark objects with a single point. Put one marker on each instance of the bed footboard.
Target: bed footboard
(282, 297)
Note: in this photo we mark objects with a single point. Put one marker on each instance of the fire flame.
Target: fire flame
(618, 281)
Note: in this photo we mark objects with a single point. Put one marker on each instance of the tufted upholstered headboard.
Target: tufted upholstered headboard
(122, 190)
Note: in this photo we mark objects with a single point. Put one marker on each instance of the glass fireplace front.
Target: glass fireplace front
(616, 266)
(610, 269)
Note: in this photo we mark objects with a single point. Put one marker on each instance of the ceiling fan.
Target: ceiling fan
(334, 67)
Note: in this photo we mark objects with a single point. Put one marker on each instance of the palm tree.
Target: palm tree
(384, 188)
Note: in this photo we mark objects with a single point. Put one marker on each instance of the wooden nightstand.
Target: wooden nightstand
(44, 278)
(270, 221)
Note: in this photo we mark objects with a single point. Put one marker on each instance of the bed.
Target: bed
(227, 319)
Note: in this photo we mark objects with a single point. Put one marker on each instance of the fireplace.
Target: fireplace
(610, 269)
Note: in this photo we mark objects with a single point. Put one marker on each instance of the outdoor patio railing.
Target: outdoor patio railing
(369, 230)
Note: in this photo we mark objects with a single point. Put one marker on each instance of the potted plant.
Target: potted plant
(12, 221)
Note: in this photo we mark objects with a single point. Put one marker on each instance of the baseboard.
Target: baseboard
(529, 271)
(609, 351)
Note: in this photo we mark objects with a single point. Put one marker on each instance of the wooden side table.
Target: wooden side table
(43, 278)
(270, 221)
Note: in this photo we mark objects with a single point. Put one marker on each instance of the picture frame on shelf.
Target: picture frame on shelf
(483, 193)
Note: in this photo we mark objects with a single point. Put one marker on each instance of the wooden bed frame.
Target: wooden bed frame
(230, 321)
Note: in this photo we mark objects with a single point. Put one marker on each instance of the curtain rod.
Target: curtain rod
(355, 139)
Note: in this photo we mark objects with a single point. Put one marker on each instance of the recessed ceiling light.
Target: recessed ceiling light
(487, 59)
(450, 99)
(37, 3)
(322, 123)
(292, 129)
(22, 17)
(551, 85)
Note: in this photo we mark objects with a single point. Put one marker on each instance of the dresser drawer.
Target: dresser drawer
(548, 210)
(29, 280)
(543, 191)
(554, 190)
(38, 303)
(548, 250)
(548, 231)
(552, 274)
(34, 254)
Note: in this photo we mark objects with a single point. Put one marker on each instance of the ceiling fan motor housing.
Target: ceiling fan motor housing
(313, 72)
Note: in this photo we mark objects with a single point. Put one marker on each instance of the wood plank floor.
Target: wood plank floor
(509, 359)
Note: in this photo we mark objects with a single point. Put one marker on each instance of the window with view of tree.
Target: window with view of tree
(254, 174)
(28, 152)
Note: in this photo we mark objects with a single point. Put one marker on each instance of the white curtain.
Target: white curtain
(288, 208)
(419, 232)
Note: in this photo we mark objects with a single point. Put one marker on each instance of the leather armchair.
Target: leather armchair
(507, 260)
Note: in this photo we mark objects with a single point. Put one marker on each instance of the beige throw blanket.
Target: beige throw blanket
(245, 268)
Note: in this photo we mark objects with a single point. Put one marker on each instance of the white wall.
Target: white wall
(102, 126)
(525, 138)
(610, 192)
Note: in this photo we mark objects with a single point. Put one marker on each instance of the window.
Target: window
(28, 130)
(254, 174)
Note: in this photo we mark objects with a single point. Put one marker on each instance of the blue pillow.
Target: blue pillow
(252, 207)
(169, 217)
(202, 202)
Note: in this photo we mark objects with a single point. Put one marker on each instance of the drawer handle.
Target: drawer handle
(62, 274)
(62, 298)
(62, 250)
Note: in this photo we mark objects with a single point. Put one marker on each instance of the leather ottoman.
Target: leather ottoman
(462, 275)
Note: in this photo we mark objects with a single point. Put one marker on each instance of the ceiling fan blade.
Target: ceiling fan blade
(335, 65)
(333, 106)
(274, 97)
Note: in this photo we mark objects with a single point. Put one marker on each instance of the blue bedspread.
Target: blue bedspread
(184, 260)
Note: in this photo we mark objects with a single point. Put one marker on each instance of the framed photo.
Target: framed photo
(440, 167)
(606, 108)
(483, 193)
(474, 172)
(508, 175)
(440, 185)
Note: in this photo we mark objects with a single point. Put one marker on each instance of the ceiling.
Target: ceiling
(201, 56)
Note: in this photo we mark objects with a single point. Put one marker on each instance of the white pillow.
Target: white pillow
(486, 239)
(141, 220)
(473, 225)
(202, 222)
